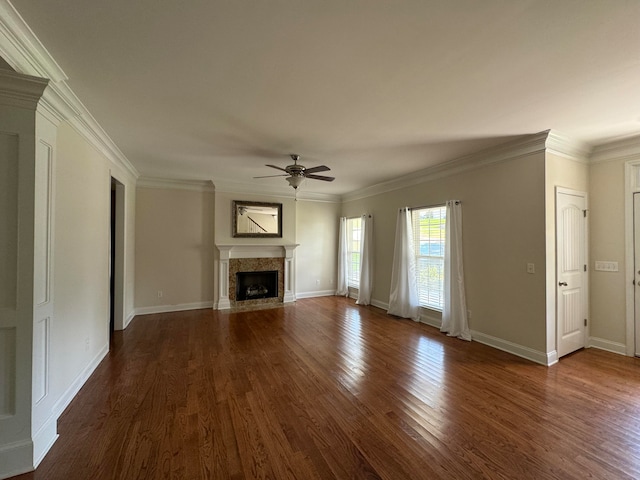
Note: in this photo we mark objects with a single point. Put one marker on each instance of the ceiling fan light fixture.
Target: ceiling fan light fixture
(295, 181)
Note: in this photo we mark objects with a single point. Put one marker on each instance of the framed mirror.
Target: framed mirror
(256, 219)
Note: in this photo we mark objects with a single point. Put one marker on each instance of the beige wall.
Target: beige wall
(80, 328)
(504, 225)
(224, 202)
(316, 255)
(607, 242)
(174, 248)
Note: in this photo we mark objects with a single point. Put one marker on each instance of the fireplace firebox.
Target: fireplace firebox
(256, 285)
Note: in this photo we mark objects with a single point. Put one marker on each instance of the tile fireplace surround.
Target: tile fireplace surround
(236, 258)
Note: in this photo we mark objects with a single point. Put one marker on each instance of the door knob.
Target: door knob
(563, 284)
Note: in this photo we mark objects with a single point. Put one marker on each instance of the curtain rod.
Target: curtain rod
(428, 206)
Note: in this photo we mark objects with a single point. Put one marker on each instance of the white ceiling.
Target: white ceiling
(374, 89)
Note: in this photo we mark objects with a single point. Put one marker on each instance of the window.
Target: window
(428, 238)
(354, 239)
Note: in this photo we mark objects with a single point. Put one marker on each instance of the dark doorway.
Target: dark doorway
(116, 258)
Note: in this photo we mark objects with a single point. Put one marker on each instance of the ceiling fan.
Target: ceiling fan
(297, 173)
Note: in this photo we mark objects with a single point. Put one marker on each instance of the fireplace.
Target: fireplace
(255, 285)
(252, 258)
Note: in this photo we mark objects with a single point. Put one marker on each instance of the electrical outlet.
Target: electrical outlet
(317, 282)
(531, 268)
(159, 293)
(468, 314)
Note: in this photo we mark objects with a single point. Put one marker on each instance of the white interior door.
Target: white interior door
(571, 270)
(636, 268)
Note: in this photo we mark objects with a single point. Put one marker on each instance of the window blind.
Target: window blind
(354, 236)
(428, 226)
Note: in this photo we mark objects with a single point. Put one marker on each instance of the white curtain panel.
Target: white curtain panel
(342, 285)
(366, 261)
(454, 311)
(403, 297)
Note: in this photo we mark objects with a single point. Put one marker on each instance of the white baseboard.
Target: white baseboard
(44, 439)
(515, 349)
(22, 457)
(432, 321)
(608, 345)
(318, 293)
(130, 317)
(77, 384)
(536, 356)
(377, 303)
(180, 307)
(16, 459)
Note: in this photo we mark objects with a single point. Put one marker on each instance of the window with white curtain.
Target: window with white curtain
(354, 242)
(428, 226)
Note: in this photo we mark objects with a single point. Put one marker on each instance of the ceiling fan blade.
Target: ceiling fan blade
(321, 177)
(278, 168)
(269, 176)
(319, 168)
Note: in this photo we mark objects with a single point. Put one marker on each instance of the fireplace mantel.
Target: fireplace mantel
(255, 251)
(229, 251)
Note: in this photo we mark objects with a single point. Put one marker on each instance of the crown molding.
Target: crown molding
(623, 149)
(274, 191)
(21, 48)
(560, 144)
(21, 90)
(24, 52)
(529, 145)
(175, 184)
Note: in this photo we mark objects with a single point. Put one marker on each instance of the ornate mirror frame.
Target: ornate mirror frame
(263, 228)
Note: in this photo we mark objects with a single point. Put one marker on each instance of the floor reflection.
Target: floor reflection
(353, 352)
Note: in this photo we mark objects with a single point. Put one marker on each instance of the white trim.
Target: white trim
(377, 303)
(130, 317)
(44, 439)
(16, 458)
(24, 52)
(624, 149)
(270, 190)
(528, 145)
(431, 321)
(631, 186)
(173, 184)
(608, 345)
(179, 307)
(317, 293)
(563, 146)
(66, 398)
(536, 356)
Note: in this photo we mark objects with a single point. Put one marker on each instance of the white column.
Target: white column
(289, 274)
(223, 278)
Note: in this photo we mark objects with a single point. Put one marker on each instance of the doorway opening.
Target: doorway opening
(116, 258)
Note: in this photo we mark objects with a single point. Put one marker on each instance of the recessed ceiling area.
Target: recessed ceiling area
(373, 89)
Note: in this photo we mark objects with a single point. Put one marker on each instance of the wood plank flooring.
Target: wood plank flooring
(326, 389)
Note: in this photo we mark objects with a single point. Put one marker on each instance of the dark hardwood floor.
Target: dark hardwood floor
(326, 389)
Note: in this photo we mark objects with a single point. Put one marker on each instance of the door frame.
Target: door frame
(118, 250)
(631, 186)
(585, 285)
